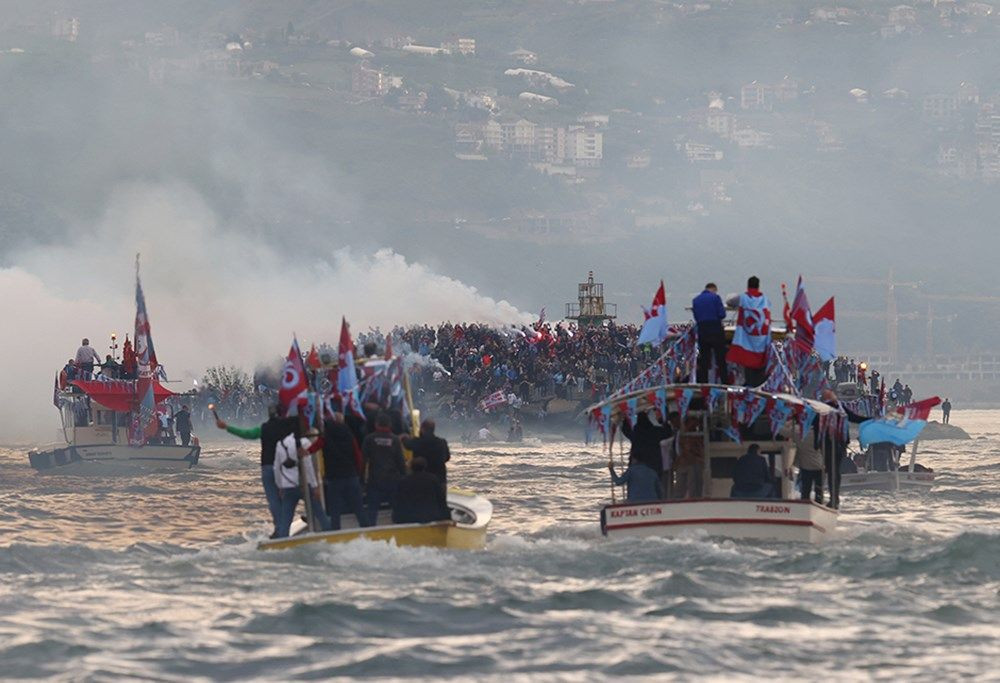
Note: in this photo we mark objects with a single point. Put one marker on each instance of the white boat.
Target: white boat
(96, 423)
(466, 530)
(110, 425)
(715, 512)
(891, 479)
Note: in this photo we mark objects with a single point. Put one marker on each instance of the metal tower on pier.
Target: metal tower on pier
(591, 308)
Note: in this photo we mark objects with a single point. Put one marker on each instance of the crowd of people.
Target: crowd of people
(521, 364)
(364, 471)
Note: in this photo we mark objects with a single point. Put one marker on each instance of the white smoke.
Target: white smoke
(214, 296)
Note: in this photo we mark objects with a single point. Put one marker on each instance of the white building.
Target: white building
(584, 146)
(464, 46)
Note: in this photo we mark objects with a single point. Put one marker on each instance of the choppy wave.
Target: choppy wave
(159, 577)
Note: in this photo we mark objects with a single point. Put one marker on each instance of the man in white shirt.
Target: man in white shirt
(286, 475)
(85, 359)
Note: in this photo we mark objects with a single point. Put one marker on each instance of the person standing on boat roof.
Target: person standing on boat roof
(752, 476)
(342, 472)
(270, 433)
(182, 423)
(433, 449)
(419, 498)
(384, 465)
(643, 483)
(645, 438)
(946, 411)
(752, 337)
(709, 312)
(86, 357)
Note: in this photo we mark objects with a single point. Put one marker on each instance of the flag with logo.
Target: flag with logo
(294, 385)
(752, 337)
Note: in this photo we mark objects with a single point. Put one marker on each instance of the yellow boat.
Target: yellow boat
(466, 530)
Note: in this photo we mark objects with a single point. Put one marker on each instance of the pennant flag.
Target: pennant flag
(755, 407)
(807, 416)
(632, 410)
(714, 395)
(541, 316)
(661, 404)
(779, 414)
(753, 331)
(683, 397)
(804, 331)
(293, 380)
(654, 329)
(825, 331)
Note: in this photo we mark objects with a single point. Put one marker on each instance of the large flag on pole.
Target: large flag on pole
(294, 384)
(825, 331)
(144, 422)
(804, 330)
(899, 427)
(654, 329)
(347, 376)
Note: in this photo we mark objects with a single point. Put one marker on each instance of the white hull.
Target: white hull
(764, 519)
(115, 458)
(887, 481)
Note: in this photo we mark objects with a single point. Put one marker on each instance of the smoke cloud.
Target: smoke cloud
(214, 297)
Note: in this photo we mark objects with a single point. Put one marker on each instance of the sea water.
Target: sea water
(158, 577)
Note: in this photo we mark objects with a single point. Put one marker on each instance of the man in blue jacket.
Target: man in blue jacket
(709, 312)
(643, 483)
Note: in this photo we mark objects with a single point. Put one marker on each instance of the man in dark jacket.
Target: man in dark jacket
(751, 476)
(182, 423)
(384, 465)
(433, 449)
(341, 472)
(646, 438)
(420, 498)
(270, 433)
(709, 312)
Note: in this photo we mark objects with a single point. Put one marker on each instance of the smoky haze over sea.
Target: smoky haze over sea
(267, 196)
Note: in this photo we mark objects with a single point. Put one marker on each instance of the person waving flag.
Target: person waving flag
(654, 329)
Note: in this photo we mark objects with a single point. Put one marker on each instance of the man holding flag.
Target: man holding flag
(654, 329)
(752, 337)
